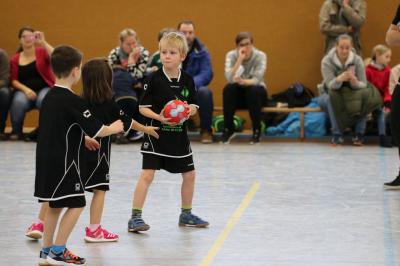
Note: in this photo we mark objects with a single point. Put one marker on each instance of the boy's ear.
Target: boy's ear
(183, 57)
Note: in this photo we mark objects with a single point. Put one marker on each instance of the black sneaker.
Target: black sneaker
(256, 137)
(358, 140)
(227, 136)
(385, 141)
(395, 184)
(337, 140)
(65, 258)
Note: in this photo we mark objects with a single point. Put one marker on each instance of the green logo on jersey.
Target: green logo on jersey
(185, 92)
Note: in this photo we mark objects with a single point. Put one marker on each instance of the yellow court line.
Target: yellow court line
(230, 225)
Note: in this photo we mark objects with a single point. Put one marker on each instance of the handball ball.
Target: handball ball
(177, 111)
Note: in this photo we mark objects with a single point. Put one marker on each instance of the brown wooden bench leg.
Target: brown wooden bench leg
(301, 126)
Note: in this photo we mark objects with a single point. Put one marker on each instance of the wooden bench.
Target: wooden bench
(301, 110)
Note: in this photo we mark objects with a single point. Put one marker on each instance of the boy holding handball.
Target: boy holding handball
(172, 151)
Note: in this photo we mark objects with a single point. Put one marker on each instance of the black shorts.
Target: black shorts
(172, 165)
(72, 202)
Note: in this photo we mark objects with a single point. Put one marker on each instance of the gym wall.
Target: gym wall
(287, 30)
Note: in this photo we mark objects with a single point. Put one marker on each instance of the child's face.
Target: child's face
(384, 58)
(171, 57)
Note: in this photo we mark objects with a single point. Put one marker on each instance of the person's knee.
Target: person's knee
(147, 176)
(189, 176)
(20, 101)
(204, 92)
(229, 89)
(323, 100)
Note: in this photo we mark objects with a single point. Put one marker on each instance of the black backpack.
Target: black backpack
(297, 95)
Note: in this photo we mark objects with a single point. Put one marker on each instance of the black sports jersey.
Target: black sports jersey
(159, 90)
(96, 164)
(396, 19)
(64, 119)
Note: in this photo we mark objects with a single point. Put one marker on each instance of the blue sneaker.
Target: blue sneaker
(189, 219)
(65, 258)
(43, 258)
(136, 224)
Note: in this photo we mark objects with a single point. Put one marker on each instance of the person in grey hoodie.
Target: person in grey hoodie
(5, 91)
(340, 68)
(244, 70)
(338, 17)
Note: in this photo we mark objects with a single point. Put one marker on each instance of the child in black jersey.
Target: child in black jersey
(64, 120)
(393, 39)
(172, 151)
(97, 90)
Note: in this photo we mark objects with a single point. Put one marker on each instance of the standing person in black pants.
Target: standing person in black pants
(393, 39)
(244, 69)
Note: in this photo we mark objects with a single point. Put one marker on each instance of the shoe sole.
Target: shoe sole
(391, 187)
(50, 261)
(35, 235)
(197, 225)
(139, 229)
(43, 262)
(206, 141)
(95, 240)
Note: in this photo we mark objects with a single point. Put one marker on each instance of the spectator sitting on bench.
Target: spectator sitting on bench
(31, 76)
(244, 69)
(342, 68)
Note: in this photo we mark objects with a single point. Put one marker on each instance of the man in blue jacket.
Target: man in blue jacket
(198, 65)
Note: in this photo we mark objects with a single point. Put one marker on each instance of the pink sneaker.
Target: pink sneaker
(35, 231)
(100, 235)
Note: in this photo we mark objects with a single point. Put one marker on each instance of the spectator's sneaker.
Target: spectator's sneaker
(35, 231)
(43, 258)
(65, 258)
(189, 219)
(137, 224)
(227, 136)
(358, 140)
(206, 137)
(100, 235)
(385, 141)
(136, 135)
(395, 184)
(14, 137)
(256, 137)
(337, 140)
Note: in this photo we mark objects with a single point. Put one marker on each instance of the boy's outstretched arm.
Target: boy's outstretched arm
(114, 128)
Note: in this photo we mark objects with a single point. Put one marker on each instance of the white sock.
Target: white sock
(93, 227)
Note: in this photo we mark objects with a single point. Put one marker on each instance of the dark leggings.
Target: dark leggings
(237, 97)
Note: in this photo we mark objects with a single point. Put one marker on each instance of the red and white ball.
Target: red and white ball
(177, 110)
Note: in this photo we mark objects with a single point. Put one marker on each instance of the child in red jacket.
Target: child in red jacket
(378, 73)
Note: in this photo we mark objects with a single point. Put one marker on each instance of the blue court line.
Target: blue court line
(388, 241)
